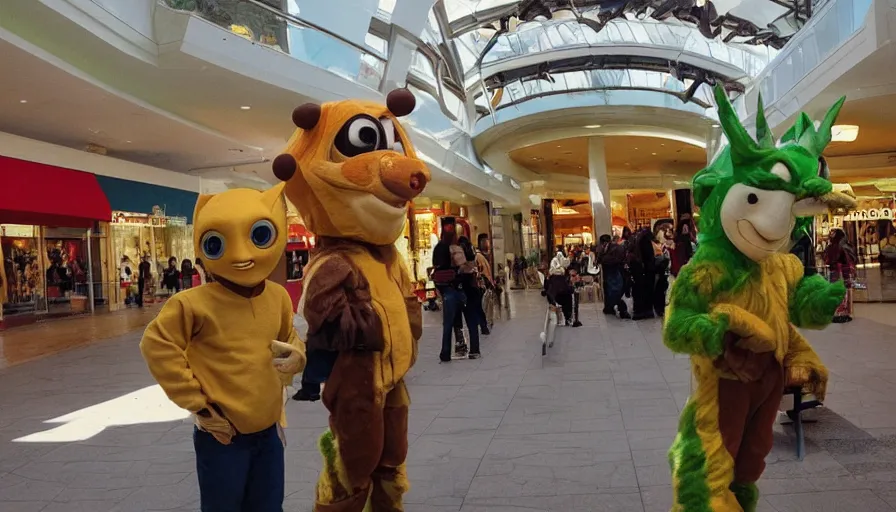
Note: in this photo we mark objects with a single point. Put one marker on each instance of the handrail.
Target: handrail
(308, 24)
(544, 94)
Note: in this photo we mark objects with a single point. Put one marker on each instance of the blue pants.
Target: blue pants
(453, 301)
(244, 476)
(614, 289)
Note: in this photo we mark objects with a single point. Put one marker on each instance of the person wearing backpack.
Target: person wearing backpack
(446, 262)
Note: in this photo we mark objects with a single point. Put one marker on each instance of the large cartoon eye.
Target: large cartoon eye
(361, 134)
(263, 234)
(823, 170)
(393, 138)
(212, 245)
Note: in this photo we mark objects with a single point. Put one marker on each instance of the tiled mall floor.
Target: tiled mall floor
(585, 430)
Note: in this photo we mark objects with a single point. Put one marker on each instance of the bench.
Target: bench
(796, 418)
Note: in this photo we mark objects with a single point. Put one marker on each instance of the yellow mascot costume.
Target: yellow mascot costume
(225, 350)
(351, 172)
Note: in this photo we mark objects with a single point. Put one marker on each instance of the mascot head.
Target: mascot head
(241, 234)
(754, 191)
(350, 168)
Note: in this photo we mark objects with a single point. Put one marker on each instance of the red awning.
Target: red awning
(46, 195)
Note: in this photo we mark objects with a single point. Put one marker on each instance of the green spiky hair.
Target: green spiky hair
(747, 160)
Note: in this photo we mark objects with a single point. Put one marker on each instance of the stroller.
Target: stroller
(427, 294)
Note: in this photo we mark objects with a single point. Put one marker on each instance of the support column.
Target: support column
(682, 203)
(408, 16)
(547, 208)
(599, 187)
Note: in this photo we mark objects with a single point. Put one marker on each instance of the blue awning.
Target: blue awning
(136, 197)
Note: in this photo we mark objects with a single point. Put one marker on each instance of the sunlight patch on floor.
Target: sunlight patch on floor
(147, 405)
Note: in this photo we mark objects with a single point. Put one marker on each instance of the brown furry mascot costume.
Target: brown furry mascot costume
(351, 171)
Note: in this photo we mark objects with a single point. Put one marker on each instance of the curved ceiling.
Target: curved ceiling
(625, 155)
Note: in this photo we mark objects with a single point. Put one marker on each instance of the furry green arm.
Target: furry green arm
(815, 301)
(689, 327)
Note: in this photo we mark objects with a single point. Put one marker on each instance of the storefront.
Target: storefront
(155, 238)
(47, 216)
(299, 243)
(147, 221)
(871, 231)
(422, 234)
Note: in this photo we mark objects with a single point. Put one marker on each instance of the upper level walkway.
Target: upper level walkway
(584, 430)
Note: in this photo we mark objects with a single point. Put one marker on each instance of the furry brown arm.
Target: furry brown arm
(338, 308)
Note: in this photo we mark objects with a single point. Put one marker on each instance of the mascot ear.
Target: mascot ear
(306, 116)
(703, 186)
(401, 102)
(285, 167)
(274, 198)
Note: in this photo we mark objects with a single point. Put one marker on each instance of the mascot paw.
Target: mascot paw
(211, 421)
(287, 358)
(813, 380)
(743, 362)
(815, 302)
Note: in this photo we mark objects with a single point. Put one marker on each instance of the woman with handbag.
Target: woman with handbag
(449, 283)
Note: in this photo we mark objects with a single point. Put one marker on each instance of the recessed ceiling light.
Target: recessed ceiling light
(844, 133)
(245, 107)
(592, 126)
(23, 101)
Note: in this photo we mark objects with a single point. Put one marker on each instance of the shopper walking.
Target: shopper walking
(468, 273)
(171, 276)
(487, 284)
(840, 259)
(144, 277)
(445, 276)
(611, 257)
(641, 265)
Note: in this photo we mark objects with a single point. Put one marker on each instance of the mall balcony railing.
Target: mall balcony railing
(548, 38)
(834, 24)
(442, 112)
(300, 39)
(592, 87)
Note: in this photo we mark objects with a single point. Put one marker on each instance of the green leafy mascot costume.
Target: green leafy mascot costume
(736, 306)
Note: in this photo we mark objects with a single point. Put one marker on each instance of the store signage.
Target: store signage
(142, 219)
(869, 214)
(17, 231)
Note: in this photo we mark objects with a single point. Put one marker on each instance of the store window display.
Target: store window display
(22, 275)
(66, 272)
(154, 238)
(871, 231)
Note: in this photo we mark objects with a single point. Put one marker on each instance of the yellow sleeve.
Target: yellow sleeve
(803, 367)
(164, 346)
(288, 332)
(794, 270)
(756, 334)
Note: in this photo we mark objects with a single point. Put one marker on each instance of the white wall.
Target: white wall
(136, 14)
(14, 146)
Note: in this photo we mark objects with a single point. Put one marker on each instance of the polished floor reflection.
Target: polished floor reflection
(584, 430)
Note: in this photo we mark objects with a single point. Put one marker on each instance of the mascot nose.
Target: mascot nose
(405, 177)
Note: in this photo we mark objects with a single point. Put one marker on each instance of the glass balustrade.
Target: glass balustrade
(292, 36)
(544, 36)
(831, 27)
